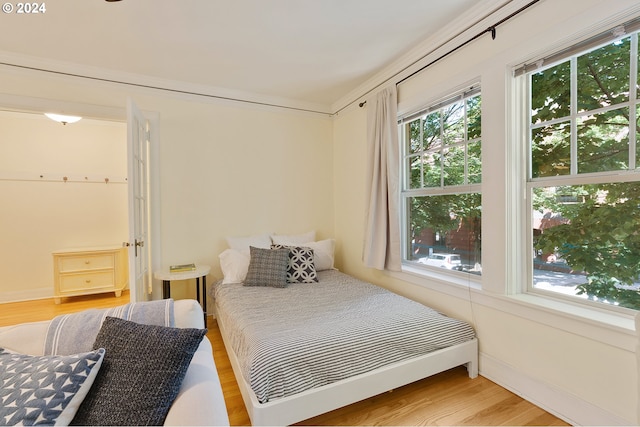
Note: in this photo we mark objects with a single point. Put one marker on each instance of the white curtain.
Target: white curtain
(382, 233)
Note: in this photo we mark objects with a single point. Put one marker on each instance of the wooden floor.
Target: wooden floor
(449, 398)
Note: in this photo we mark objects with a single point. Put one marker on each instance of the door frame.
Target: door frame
(118, 114)
(154, 203)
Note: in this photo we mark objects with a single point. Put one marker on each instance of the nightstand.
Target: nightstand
(200, 272)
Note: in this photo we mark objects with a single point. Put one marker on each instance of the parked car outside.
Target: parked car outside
(448, 261)
(468, 268)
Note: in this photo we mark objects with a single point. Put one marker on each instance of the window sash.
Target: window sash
(467, 93)
(422, 189)
(631, 103)
(441, 149)
(574, 178)
(529, 280)
(601, 39)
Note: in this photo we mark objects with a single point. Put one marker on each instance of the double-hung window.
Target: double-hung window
(583, 178)
(441, 174)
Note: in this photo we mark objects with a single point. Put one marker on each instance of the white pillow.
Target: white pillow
(293, 239)
(234, 265)
(322, 253)
(242, 243)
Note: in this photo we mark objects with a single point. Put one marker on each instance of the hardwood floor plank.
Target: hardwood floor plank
(238, 415)
(45, 309)
(449, 398)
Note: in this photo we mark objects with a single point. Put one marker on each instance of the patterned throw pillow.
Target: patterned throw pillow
(141, 373)
(267, 267)
(301, 267)
(45, 389)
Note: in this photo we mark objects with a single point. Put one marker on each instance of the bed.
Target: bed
(308, 348)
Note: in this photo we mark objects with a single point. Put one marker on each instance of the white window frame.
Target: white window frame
(412, 267)
(632, 174)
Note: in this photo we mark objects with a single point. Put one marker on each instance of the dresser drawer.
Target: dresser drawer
(77, 282)
(89, 271)
(85, 262)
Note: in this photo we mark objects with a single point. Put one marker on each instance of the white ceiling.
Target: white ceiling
(297, 51)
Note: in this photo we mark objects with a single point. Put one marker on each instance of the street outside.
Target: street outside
(563, 282)
(557, 281)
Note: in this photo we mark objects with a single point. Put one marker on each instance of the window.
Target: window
(583, 181)
(441, 184)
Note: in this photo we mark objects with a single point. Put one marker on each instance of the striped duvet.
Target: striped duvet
(292, 339)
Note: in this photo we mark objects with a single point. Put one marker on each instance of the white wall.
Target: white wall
(225, 168)
(38, 217)
(579, 369)
(229, 170)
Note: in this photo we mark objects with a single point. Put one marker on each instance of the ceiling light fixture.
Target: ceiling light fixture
(60, 118)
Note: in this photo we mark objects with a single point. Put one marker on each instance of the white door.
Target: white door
(138, 145)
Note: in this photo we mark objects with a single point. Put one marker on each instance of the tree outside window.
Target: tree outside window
(442, 174)
(584, 181)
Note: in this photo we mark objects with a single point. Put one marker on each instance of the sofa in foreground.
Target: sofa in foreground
(137, 374)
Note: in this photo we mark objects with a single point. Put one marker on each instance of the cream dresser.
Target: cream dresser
(90, 271)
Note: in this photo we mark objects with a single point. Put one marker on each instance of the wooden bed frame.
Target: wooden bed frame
(309, 403)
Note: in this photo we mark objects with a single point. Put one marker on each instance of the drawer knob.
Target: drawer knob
(87, 281)
(87, 262)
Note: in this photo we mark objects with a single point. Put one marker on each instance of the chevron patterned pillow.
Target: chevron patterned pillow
(45, 389)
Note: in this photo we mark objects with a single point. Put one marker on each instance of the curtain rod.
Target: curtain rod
(491, 29)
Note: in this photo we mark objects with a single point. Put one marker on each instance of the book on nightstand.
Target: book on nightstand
(181, 267)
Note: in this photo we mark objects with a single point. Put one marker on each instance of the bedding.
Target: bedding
(307, 335)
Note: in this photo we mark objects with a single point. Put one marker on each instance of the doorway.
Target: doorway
(64, 186)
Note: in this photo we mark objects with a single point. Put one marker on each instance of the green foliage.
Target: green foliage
(603, 82)
(608, 289)
(603, 76)
(436, 146)
(601, 230)
(445, 213)
(600, 236)
(440, 145)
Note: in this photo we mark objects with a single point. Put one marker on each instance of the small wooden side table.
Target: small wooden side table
(201, 271)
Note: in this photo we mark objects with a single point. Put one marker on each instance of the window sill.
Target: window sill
(440, 280)
(608, 327)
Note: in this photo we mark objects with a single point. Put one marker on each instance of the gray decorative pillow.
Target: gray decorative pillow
(301, 267)
(267, 267)
(45, 389)
(141, 373)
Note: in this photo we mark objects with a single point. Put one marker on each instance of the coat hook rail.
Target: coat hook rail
(63, 178)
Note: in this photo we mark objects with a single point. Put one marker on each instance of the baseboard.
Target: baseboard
(26, 295)
(554, 400)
